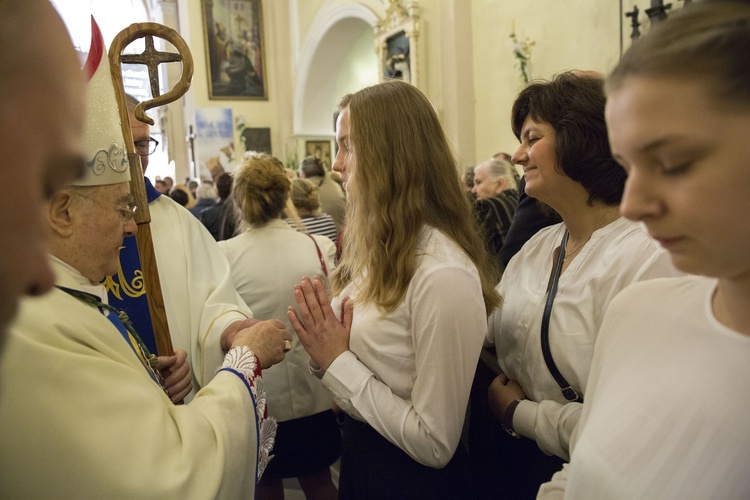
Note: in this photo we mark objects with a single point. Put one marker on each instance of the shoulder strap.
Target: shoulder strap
(567, 390)
(320, 255)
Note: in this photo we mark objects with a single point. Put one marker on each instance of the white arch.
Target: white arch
(334, 17)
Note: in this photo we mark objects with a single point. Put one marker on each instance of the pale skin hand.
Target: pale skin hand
(265, 339)
(501, 393)
(322, 335)
(227, 336)
(178, 378)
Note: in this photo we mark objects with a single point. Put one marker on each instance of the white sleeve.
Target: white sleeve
(549, 423)
(114, 419)
(209, 302)
(448, 326)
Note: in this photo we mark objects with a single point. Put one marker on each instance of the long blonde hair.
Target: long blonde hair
(406, 177)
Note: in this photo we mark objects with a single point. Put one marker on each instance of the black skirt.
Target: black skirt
(501, 465)
(305, 445)
(374, 468)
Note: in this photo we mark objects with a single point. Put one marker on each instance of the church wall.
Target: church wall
(466, 64)
(576, 34)
(274, 113)
(306, 12)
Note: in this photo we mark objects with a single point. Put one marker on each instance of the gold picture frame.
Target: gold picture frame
(233, 35)
(397, 43)
(320, 149)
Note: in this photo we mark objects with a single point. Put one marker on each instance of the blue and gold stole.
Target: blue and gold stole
(126, 289)
(120, 320)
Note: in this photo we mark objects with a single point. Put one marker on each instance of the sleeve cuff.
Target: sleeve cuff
(346, 375)
(315, 369)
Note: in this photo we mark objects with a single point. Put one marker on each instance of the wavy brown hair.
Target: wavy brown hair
(406, 177)
(306, 196)
(260, 189)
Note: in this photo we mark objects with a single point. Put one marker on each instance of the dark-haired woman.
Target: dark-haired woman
(564, 277)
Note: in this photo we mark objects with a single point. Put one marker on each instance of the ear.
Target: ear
(58, 214)
(501, 185)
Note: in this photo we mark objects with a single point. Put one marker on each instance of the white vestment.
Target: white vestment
(197, 286)
(81, 417)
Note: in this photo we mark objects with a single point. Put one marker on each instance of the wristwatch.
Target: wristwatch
(507, 421)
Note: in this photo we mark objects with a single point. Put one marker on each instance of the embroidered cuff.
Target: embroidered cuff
(244, 362)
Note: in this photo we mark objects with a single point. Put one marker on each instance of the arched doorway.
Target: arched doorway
(337, 57)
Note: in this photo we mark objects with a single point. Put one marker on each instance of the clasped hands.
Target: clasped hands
(501, 393)
(323, 336)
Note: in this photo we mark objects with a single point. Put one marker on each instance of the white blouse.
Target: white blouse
(266, 263)
(616, 256)
(668, 401)
(408, 373)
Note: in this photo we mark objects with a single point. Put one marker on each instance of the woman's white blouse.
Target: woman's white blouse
(408, 373)
(266, 263)
(617, 255)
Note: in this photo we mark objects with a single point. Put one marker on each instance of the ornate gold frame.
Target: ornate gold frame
(399, 24)
(219, 90)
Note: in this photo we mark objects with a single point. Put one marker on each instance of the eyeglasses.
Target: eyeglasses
(146, 147)
(126, 212)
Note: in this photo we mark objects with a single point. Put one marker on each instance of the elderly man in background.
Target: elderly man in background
(204, 311)
(86, 410)
(497, 197)
(40, 72)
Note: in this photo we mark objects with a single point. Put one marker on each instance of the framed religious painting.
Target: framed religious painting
(233, 32)
(257, 139)
(397, 38)
(321, 150)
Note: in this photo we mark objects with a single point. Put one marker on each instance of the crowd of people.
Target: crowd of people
(313, 322)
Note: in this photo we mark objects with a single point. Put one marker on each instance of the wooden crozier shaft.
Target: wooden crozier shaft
(152, 284)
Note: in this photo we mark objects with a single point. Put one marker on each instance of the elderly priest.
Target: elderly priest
(85, 411)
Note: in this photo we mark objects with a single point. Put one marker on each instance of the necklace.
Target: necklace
(575, 251)
(579, 247)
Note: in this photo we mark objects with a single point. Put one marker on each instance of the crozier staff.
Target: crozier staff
(84, 411)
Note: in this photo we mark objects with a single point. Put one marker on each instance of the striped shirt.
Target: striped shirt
(322, 224)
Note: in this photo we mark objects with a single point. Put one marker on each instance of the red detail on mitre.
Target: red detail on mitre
(96, 51)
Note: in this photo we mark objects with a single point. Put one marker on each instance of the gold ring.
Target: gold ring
(287, 345)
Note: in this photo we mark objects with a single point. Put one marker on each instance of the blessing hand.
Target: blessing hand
(230, 332)
(323, 336)
(267, 339)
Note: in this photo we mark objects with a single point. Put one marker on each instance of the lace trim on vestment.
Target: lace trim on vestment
(243, 361)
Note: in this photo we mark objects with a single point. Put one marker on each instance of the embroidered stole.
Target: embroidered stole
(126, 290)
(120, 320)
